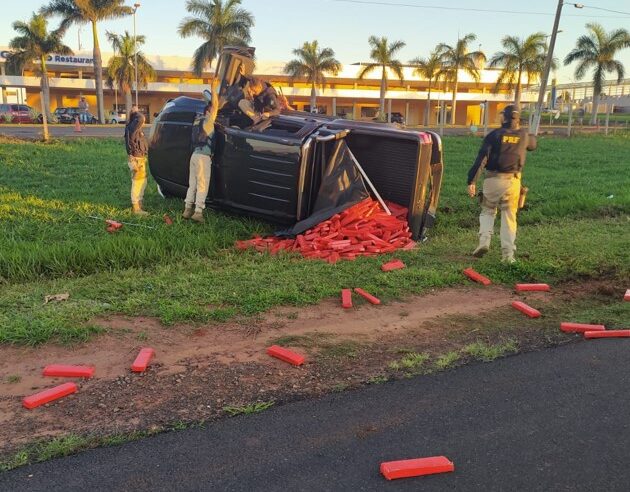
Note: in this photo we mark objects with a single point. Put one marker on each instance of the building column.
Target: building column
(355, 116)
(80, 74)
(407, 113)
(4, 95)
(334, 106)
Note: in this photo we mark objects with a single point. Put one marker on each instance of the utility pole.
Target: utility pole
(135, 45)
(548, 61)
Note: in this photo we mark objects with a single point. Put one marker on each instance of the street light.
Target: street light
(135, 45)
(545, 76)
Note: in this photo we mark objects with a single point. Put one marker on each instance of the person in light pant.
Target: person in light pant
(201, 160)
(503, 155)
(137, 150)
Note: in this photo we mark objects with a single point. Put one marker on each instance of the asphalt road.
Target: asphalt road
(551, 420)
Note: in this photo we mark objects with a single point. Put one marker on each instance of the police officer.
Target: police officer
(259, 102)
(503, 155)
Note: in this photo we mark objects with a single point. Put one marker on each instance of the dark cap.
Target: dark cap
(510, 112)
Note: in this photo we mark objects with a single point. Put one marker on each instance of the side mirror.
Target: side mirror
(155, 115)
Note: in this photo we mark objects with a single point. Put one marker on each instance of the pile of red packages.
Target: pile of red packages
(364, 229)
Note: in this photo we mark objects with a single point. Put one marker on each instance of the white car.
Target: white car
(115, 118)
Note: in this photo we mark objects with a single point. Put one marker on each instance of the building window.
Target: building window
(369, 112)
(345, 112)
(320, 109)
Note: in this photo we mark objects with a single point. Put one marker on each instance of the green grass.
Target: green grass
(248, 409)
(344, 348)
(446, 361)
(46, 450)
(487, 353)
(59, 447)
(191, 274)
(409, 362)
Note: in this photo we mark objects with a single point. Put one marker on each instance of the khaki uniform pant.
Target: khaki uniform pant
(502, 192)
(138, 169)
(198, 181)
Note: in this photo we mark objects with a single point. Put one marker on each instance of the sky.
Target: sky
(345, 25)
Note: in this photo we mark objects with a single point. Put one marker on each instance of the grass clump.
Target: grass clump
(346, 348)
(411, 361)
(488, 353)
(248, 409)
(447, 361)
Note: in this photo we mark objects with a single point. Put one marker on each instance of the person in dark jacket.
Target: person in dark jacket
(260, 101)
(200, 169)
(502, 154)
(137, 150)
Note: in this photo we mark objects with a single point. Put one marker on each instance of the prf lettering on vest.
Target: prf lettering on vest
(511, 140)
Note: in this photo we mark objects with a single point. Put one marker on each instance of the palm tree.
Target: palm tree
(383, 56)
(120, 70)
(597, 50)
(221, 23)
(90, 12)
(313, 63)
(430, 69)
(521, 57)
(456, 58)
(36, 43)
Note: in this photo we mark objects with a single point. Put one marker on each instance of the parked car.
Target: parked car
(17, 113)
(275, 169)
(396, 118)
(58, 112)
(70, 116)
(114, 117)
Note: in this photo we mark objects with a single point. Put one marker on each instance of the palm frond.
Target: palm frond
(369, 68)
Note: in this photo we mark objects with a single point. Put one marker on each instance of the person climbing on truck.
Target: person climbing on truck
(201, 159)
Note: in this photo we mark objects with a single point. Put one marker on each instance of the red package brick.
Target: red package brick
(51, 394)
(369, 297)
(286, 355)
(580, 327)
(607, 334)
(418, 467)
(63, 371)
(346, 298)
(477, 277)
(392, 265)
(142, 360)
(364, 229)
(525, 309)
(532, 288)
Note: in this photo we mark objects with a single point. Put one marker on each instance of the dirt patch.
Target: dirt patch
(199, 370)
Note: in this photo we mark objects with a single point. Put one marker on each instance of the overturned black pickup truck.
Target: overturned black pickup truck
(297, 169)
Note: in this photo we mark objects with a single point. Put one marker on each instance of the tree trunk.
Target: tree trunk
(427, 109)
(313, 98)
(595, 107)
(517, 92)
(383, 91)
(46, 89)
(454, 102)
(128, 102)
(98, 75)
